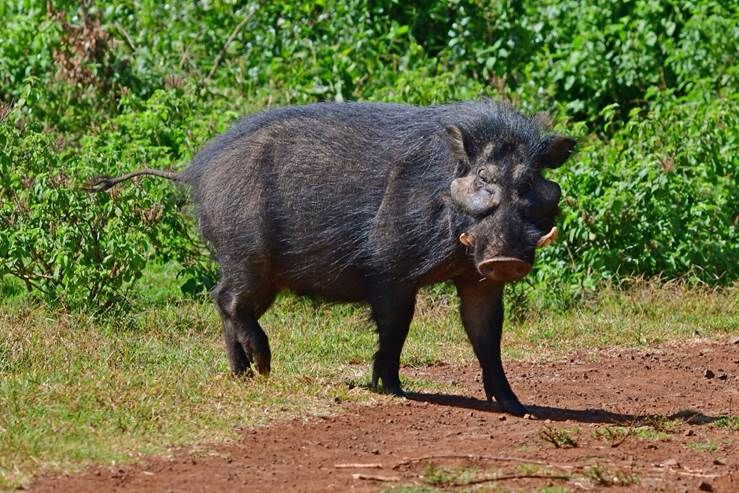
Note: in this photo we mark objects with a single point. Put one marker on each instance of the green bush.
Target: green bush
(64, 244)
(658, 199)
(87, 250)
(649, 86)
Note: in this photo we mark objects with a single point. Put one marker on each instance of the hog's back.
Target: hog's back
(320, 198)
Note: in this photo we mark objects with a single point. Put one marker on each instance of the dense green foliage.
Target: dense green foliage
(658, 199)
(649, 87)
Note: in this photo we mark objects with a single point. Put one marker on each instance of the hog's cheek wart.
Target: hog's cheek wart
(466, 196)
(480, 201)
(457, 188)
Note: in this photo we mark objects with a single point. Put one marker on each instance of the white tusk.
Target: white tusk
(547, 239)
(467, 239)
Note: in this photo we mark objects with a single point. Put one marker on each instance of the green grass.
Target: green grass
(647, 315)
(730, 422)
(449, 476)
(75, 389)
(707, 446)
(617, 434)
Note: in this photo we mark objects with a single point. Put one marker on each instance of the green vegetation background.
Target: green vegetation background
(86, 88)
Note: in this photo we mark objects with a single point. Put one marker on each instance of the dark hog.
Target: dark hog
(362, 202)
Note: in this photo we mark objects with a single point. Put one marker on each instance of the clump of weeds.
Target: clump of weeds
(443, 476)
(707, 446)
(646, 428)
(601, 475)
(614, 435)
(660, 424)
(729, 422)
(559, 437)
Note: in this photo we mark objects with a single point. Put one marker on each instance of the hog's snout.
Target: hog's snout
(504, 269)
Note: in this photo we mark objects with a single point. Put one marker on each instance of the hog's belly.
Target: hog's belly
(349, 285)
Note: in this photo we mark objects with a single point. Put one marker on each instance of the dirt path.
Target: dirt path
(612, 404)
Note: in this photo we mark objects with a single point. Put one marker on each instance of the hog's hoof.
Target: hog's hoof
(394, 391)
(513, 407)
(245, 373)
(262, 363)
(263, 368)
(390, 384)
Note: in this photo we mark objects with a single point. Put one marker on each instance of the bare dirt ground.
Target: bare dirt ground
(624, 419)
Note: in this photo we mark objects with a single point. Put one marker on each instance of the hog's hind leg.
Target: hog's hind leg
(246, 342)
(392, 311)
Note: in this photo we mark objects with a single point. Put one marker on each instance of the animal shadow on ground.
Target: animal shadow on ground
(689, 416)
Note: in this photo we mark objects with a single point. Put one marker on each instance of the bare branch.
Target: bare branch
(228, 42)
(373, 477)
(478, 457)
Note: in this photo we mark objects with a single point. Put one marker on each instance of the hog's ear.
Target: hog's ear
(558, 148)
(456, 145)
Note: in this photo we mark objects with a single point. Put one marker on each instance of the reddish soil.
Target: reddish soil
(693, 384)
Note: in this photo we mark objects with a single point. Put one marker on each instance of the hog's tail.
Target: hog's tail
(102, 183)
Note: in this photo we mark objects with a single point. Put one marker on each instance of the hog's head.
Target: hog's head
(500, 184)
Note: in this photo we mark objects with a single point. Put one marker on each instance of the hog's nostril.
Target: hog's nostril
(504, 268)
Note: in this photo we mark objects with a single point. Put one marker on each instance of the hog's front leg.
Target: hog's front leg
(481, 306)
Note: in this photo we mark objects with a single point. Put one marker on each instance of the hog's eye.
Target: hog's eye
(485, 175)
(505, 148)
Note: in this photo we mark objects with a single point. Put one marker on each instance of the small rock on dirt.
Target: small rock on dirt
(719, 462)
(708, 374)
(705, 486)
(670, 463)
(734, 340)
